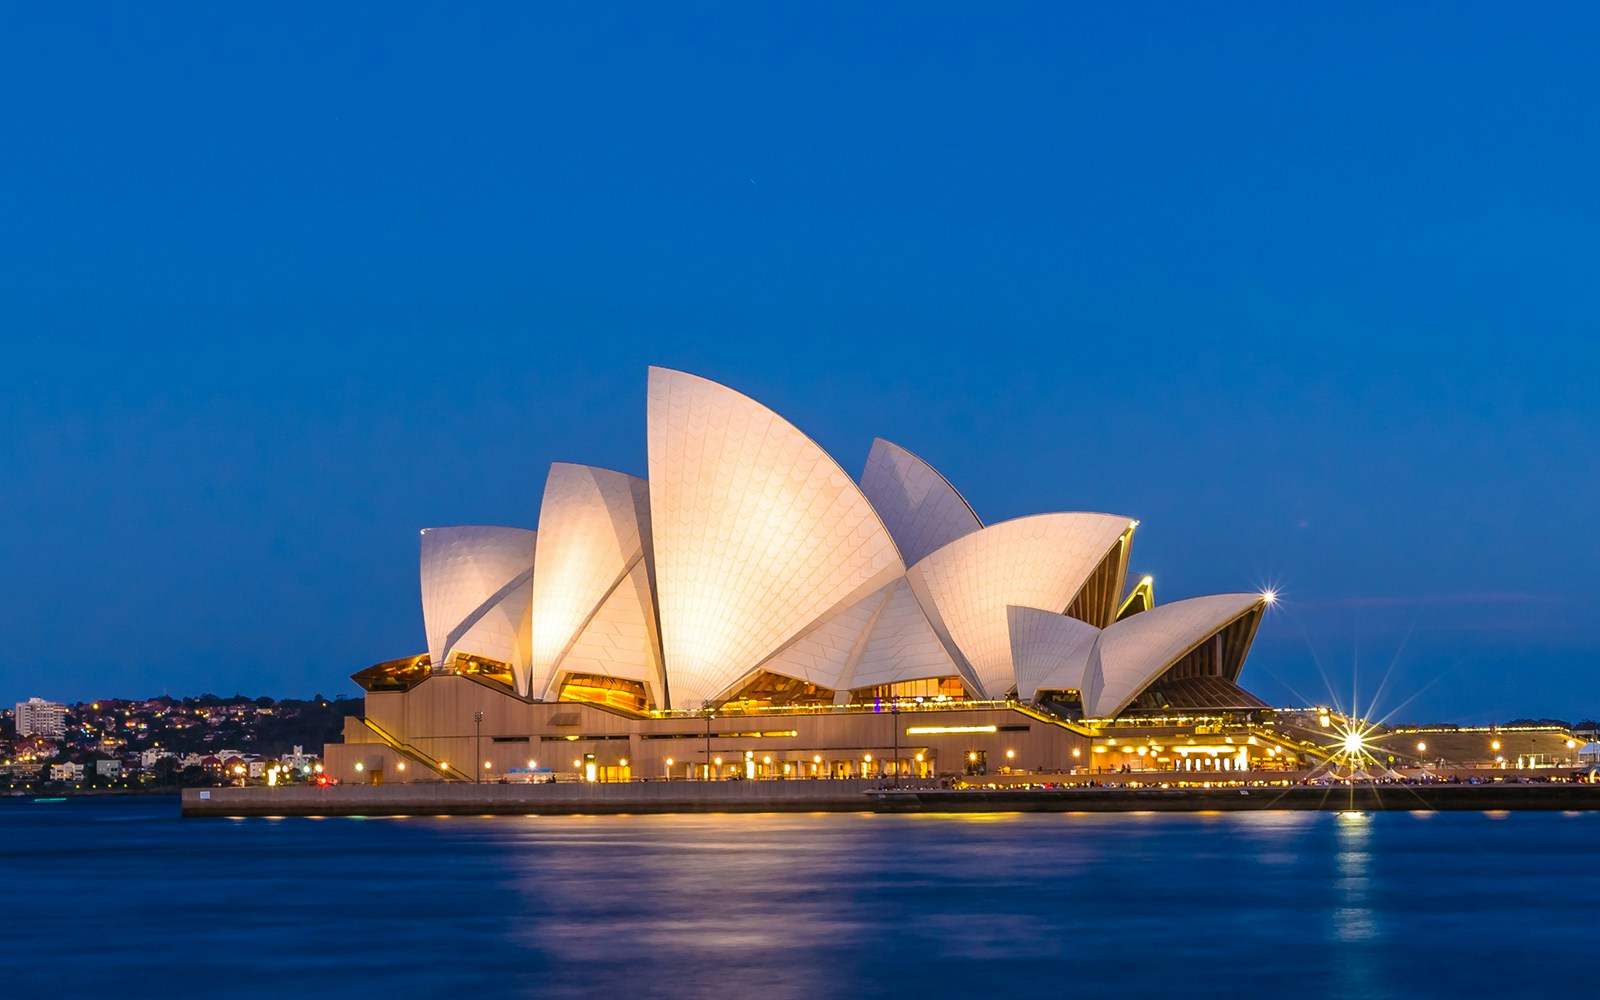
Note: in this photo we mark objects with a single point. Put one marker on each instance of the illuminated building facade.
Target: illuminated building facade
(38, 717)
(809, 622)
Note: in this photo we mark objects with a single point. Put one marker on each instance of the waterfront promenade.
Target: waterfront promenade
(871, 795)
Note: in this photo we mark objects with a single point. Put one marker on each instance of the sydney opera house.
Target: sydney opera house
(751, 610)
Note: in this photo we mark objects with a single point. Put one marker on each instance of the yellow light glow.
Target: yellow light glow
(359, 767)
(400, 765)
(948, 730)
(1011, 755)
(670, 762)
(973, 756)
(1270, 596)
(817, 759)
(623, 762)
(919, 758)
(1422, 747)
(444, 765)
(1494, 744)
(719, 761)
(867, 758)
(577, 763)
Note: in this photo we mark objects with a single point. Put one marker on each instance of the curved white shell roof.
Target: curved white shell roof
(467, 573)
(1137, 650)
(1037, 562)
(826, 655)
(757, 533)
(594, 527)
(1051, 651)
(919, 506)
(903, 644)
(501, 633)
(883, 639)
(620, 640)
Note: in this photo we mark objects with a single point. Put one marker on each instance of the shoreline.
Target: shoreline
(867, 796)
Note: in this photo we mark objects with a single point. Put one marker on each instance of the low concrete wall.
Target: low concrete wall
(457, 799)
(857, 796)
(1337, 798)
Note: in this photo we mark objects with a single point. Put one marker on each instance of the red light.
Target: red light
(322, 780)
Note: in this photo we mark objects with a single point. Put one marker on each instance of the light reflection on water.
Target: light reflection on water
(1301, 904)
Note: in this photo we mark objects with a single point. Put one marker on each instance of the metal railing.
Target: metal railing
(421, 757)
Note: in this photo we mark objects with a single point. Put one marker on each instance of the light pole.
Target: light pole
(894, 762)
(708, 741)
(477, 748)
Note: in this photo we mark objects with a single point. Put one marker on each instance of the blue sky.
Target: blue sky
(1310, 290)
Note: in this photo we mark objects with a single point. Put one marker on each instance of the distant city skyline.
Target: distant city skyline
(1309, 293)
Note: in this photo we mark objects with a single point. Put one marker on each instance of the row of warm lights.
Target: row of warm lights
(532, 764)
(1422, 746)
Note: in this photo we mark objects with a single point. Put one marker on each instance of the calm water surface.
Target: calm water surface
(123, 898)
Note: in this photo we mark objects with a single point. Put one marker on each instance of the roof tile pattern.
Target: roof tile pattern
(466, 573)
(826, 655)
(903, 645)
(885, 638)
(594, 526)
(619, 641)
(1051, 651)
(1137, 650)
(757, 532)
(919, 507)
(1037, 562)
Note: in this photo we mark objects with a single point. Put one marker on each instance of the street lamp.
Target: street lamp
(709, 717)
(894, 763)
(477, 723)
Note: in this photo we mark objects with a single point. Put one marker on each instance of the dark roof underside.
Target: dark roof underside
(1195, 693)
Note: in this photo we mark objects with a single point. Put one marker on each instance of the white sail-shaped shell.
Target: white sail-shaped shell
(883, 639)
(594, 529)
(919, 507)
(475, 588)
(757, 533)
(619, 640)
(1051, 652)
(1136, 651)
(1037, 562)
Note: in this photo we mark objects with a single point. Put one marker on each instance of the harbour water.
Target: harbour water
(123, 898)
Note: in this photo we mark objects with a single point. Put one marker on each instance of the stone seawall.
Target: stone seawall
(857, 796)
(1335, 798)
(457, 799)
